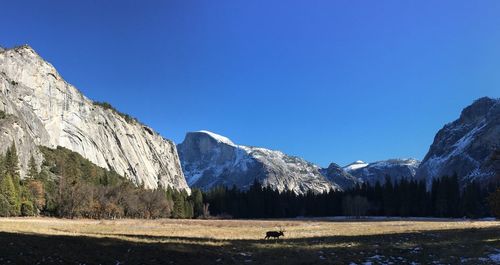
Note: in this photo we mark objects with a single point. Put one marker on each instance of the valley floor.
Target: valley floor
(314, 241)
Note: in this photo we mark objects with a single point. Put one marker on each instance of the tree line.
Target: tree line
(403, 198)
(68, 185)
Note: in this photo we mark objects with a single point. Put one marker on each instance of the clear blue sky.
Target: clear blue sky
(326, 80)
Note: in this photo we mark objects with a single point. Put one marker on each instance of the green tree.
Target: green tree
(12, 162)
(471, 200)
(179, 206)
(32, 168)
(8, 190)
(4, 206)
(197, 200)
(27, 209)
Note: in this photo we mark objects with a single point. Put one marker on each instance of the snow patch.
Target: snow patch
(219, 138)
(355, 165)
(434, 164)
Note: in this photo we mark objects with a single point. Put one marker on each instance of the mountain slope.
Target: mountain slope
(466, 146)
(51, 112)
(338, 175)
(210, 160)
(396, 169)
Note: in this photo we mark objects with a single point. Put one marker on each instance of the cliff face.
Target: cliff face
(211, 160)
(468, 147)
(395, 169)
(337, 174)
(46, 110)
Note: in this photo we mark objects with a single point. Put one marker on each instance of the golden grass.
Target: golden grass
(235, 241)
(229, 229)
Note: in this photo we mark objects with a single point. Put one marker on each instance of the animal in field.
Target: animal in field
(274, 234)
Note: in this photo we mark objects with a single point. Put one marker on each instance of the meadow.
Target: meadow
(306, 241)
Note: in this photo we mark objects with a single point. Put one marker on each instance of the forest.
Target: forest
(406, 198)
(68, 185)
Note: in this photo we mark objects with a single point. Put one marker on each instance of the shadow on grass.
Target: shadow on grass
(448, 246)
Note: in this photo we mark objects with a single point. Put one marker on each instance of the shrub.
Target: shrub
(108, 106)
(27, 209)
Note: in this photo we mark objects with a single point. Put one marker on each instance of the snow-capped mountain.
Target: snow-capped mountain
(355, 165)
(43, 109)
(210, 160)
(338, 175)
(396, 169)
(468, 146)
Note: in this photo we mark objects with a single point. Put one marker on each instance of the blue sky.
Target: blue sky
(325, 80)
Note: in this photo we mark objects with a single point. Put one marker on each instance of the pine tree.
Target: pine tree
(494, 200)
(389, 198)
(12, 162)
(32, 169)
(178, 211)
(197, 199)
(8, 190)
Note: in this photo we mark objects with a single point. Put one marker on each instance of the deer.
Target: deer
(275, 234)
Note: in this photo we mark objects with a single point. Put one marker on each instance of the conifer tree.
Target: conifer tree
(4, 206)
(8, 190)
(197, 199)
(494, 200)
(32, 168)
(178, 211)
(12, 162)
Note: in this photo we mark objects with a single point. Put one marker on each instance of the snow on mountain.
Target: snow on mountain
(468, 146)
(219, 138)
(338, 175)
(396, 169)
(211, 160)
(355, 165)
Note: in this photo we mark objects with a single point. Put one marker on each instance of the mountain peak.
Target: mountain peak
(210, 160)
(219, 138)
(51, 112)
(463, 146)
(355, 165)
(20, 48)
(478, 109)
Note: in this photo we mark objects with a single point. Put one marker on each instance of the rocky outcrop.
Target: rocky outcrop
(50, 112)
(210, 160)
(13, 130)
(466, 147)
(338, 175)
(395, 169)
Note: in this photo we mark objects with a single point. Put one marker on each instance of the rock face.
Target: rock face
(355, 165)
(467, 146)
(396, 169)
(46, 110)
(338, 175)
(210, 160)
(13, 130)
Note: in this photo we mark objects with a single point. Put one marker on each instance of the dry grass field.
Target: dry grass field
(316, 241)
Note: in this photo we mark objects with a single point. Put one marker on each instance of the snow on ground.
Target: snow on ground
(495, 257)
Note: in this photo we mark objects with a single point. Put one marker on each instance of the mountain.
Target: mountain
(355, 165)
(468, 146)
(210, 160)
(338, 175)
(42, 109)
(396, 169)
